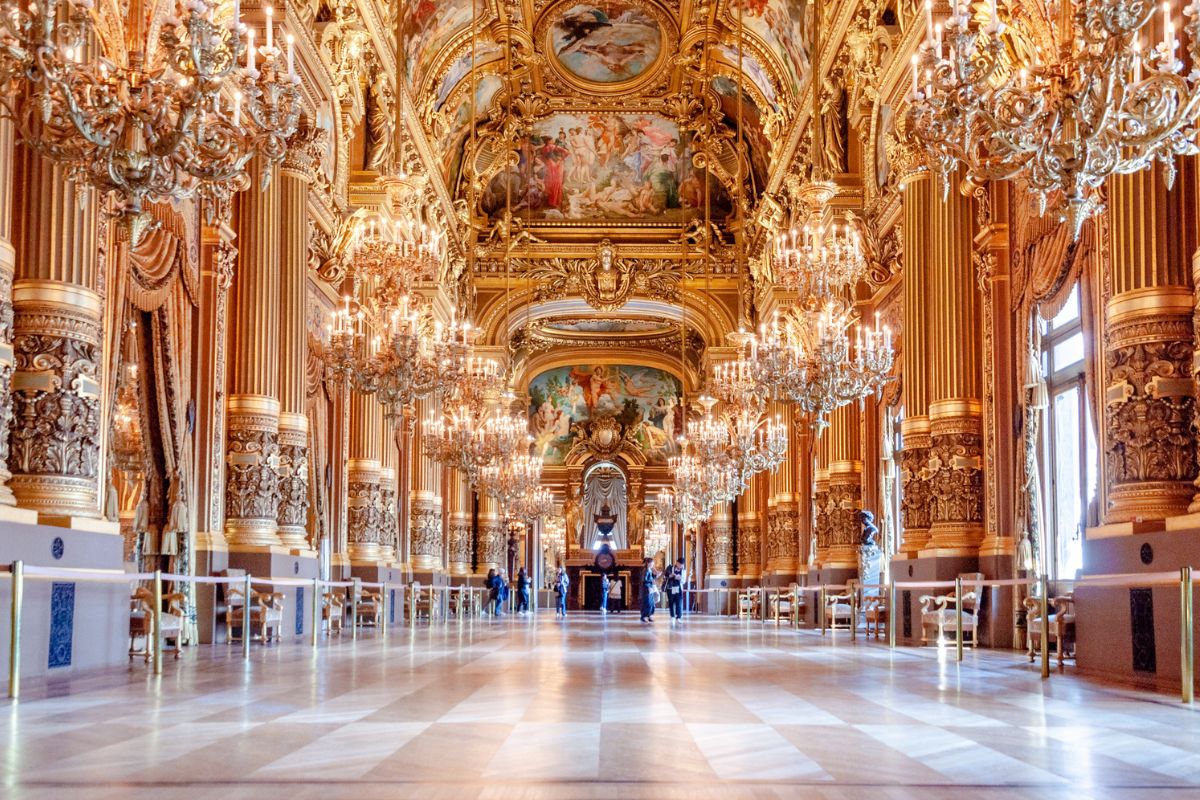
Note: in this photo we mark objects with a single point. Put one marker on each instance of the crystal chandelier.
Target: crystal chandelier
(533, 506)
(1101, 101)
(472, 439)
(144, 119)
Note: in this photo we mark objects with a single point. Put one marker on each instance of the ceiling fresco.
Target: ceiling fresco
(606, 42)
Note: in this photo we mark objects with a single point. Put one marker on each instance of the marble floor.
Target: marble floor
(532, 708)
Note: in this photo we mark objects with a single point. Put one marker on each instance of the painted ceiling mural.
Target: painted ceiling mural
(630, 326)
(785, 27)
(456, 124)
(604, 166)
(605, 42)
(428, 27)
(645, 400)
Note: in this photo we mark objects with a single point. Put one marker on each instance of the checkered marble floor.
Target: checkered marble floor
(593, 708)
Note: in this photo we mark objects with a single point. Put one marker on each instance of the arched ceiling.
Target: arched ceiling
(611, 110)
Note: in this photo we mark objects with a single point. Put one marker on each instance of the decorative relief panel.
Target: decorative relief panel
(252, 483)
(955, 476)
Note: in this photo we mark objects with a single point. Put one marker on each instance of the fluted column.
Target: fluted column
(458, 499)
(55, 436)
(917, 196)
(801, 454)
(363, 504)
(8, 266)
(718, 543)
(1149, 406)
(389, 517)
(783, 512)
(252, 407)
(955, 408)
(425, 502)
(749, 538)
(822, 518)
(491, 541)
(295, 176)
(839, 547)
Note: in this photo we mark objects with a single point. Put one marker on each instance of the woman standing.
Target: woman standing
(561, 583)
(493, 590)
(522, 591)
(649, 591)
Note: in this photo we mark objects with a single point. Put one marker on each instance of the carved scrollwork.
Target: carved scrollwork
(718, 547)
(749, 544)
(956, 476)
(843, 501)
(293, 486)
(783, 541)
(606, 281)
(251, 479)
(915, 495)
(426, 531)
(363, 511)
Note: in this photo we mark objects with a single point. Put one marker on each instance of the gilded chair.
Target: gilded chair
(333, 611)
(749, 602)
(419, 604)
(839, 610)
(875, 613)
(369, 609)
(939, 613)
(266, 615)
(172, 620)
(141, 623)
(1061, 628)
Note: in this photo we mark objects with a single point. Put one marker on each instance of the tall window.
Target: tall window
(1069, 453)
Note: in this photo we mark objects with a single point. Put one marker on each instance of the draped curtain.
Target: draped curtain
(605, 486)
(1046, 265)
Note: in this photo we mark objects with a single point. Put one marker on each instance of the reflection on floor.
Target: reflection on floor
(525, 708)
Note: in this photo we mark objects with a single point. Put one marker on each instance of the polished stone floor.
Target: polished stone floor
(591, 708)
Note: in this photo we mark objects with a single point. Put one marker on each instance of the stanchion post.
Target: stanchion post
(354, 609)
(14, 642)
(383, 611)
(958, 619)
(1044, 585)
(157, 620)
(821, 608)
(246, 609)
(853, 613)
(1186, 644)
(891, 612)
(318, 602)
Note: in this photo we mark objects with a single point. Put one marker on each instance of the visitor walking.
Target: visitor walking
(561, 584)
(614, 597)
(604, 584)
(522, 591)
(649, 591)
(493, 591)
(674, 582)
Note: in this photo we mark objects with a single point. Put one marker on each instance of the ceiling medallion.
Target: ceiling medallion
(607, 47)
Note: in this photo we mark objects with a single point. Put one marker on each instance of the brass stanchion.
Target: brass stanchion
(14, 642)
(246, 608)
(354, 609)
(157, 622)
(958, 620)
(1186, 632)
(1045, 609)
(853, 613)
(891, 612)
(821, 609)
(383, 611)
(318, 602)
(433, 597)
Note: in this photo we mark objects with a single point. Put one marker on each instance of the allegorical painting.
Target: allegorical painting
(427, 29)
(643, 399)
(627, 326)
(784, 25)
(604, 166)
(750, 117)
(605, 42)
(453, 136)
(485, 51)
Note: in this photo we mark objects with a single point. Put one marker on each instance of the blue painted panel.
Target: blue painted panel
(392, 607)
(299, 610)
(62, 624)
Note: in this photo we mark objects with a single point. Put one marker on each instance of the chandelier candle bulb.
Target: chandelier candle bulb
(270, 13)
(251, 70)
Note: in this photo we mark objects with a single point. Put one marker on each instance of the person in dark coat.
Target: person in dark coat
(522, 591)
(561, 584)
(673, 584)
(604, 584)
(649, 589)
(493, 587)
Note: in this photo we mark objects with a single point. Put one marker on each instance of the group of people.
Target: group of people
(497, 585)
(671, 583)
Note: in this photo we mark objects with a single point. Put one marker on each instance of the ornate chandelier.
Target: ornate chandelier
(473, 439)
(1101, 101)
(533, 506)
(144, 119)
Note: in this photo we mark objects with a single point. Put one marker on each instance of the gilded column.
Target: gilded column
(55, 436)
(917, 197)
(295, 176)
(1149, 405)
(252, 407)
(425, 502)
(822, 516)
(955, 406)
(749, 538)
(8, 266)
(718, 543)
(839, 549)
(363, 504)
(783, 513)
(802, 443)
(387, 515)
(458, 499)
(491, 537)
